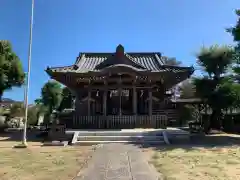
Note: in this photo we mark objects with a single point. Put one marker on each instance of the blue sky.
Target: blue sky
(63, 28)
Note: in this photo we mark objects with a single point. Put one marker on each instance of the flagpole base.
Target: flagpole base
(22, 145)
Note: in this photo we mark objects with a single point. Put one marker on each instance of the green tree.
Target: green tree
(190, 111)
(51, 95)
(171, 61)
(187, 89)
(11, 70)
(40, 106)
(33, 115)
(38, 101)
(67, 98)
(17, 110)
(235, 32)
(216, 88)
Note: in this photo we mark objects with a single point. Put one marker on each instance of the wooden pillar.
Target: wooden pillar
(89, 102)
(150, 102)
(120, 101)
(105, 102)
(134, 101)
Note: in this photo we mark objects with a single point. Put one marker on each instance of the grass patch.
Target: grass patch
(180, 163)
(41, 163)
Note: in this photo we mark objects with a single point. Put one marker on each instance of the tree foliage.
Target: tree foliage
(171, 61)
(215, 60)
(51, 95)
(187, 89)
(40, 106)
(67, 98)
(216, 88)
(17, 110)
(235, 32)
(11, 70)
(33, 114)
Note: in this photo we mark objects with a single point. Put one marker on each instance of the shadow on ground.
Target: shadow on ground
(197, 141)
(16, 135)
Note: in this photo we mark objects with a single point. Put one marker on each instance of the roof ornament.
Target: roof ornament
(120, 50)
(75, 66)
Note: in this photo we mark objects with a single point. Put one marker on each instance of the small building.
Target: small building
(119, 90)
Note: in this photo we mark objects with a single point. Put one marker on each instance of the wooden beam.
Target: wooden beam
(116, 87)
(150, 102)
(104, 102)
(89, 103)
(134, 101)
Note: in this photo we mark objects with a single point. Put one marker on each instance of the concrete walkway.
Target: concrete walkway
(118, 162)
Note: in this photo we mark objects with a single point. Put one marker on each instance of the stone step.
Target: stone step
(120, 138)
(119, 133)
(105, 142)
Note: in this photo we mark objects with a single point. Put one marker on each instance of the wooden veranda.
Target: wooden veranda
(115, 122)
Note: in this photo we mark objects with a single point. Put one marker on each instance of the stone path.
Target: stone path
(118, 162)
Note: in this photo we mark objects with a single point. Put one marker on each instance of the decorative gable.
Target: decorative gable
(117, 58)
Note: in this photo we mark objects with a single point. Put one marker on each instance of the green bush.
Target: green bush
(185, 114)
(32, 116)
(3, 124)
(228, 123)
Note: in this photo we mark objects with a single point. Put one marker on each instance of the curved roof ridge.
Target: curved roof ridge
(112, 53)
(111, 60)
(125, 65)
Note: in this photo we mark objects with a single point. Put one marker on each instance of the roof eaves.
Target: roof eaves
(191, 68)
(78, 58)
(61, 69)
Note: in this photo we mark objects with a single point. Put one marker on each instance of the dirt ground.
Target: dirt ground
(213, 158)
(41, 163)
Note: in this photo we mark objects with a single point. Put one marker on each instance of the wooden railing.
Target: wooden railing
(119, 122)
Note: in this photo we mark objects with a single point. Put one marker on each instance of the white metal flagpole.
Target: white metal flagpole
(26, 90)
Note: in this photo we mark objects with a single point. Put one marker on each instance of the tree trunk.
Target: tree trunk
(50, 109)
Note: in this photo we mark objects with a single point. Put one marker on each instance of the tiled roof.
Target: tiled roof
(88, 62)
(150, 61)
